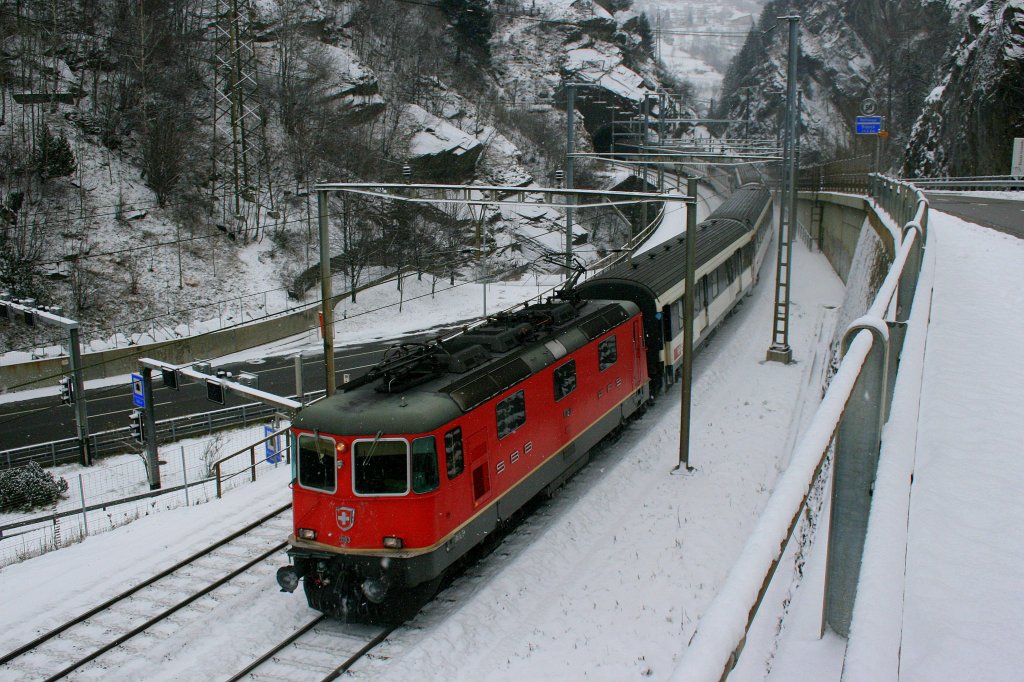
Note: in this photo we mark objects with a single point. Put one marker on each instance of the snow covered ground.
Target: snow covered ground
(578, 590)
(608, 580)
(965, 583)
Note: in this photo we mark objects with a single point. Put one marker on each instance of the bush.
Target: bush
(29, 487)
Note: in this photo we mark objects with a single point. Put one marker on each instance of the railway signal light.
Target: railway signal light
(67, 390)
(135, 425)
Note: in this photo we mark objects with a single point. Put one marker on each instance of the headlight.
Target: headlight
(392, 542)
(307, 534)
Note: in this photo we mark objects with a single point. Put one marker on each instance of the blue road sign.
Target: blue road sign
(138, 397)
(273, 451)
(869, 125)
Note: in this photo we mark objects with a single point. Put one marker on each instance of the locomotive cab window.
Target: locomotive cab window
(606, 354)
(425, 476)
(511, 413)
(316, 463)
(380, 467)
(454, 455)
(565, 380)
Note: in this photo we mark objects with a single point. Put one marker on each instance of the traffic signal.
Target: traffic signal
(170, 377)
(215, 391)
(67, 390)
(136, 425)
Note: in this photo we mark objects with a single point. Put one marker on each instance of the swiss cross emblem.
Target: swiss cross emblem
(346, 517)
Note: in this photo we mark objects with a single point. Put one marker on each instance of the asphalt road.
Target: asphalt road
(46, 419)
(1004, 215)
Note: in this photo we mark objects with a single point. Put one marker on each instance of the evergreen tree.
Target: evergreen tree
(472, 22)
(53, 157)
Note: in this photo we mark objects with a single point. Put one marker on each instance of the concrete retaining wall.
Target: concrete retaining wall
(838, 229)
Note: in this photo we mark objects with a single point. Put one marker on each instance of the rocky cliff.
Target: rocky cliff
(971, 117)
(889, 51)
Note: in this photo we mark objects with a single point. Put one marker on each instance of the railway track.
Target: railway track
(85, 638)
(314, 651)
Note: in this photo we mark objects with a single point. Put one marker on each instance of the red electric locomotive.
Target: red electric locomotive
(403, 471)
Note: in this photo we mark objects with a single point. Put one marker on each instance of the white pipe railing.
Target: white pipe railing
(721, 634)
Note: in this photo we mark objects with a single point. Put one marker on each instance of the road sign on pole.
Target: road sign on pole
(138, 396)
(869, 125)
(273, 447)
(1017, 167)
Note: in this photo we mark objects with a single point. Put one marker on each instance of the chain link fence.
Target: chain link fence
(99, 499)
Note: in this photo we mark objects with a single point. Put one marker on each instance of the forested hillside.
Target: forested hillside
(159, 156)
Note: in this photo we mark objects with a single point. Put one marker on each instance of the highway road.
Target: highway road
(1004, 215)
(46, 419)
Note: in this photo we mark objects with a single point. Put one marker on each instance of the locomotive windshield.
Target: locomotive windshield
(381, 467)
(316, 463)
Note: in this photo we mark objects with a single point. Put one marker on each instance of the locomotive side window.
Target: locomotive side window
(606, 354)
(511, 413)
(425, 475)
(316, 463)
(380, 467)
(565, 380)
(454, 455)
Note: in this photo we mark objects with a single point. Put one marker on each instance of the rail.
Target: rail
(271, 441)
(850, 418)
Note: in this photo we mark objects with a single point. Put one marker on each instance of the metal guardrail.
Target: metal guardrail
(975, 183)
(117, 441)
(848, 423)
(285, 452)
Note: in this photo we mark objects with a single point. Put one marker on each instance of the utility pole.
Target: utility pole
(326, 293)
(643, 151)
(31, 314)
(149, 430)
(780, 350)
(662, 103)
(688, 305)
(237, 150)
(570, 150)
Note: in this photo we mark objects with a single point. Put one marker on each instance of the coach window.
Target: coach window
(565, 380)
(453, 454)
(698, 299)
(511, 413)
(316, 462)
(425, 475)
(713, 285)
(381, 467)
(606, 354)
